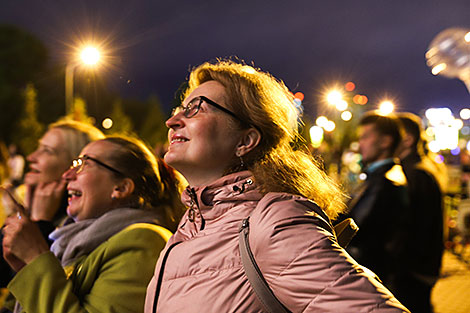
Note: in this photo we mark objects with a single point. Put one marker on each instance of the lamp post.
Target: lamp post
(89, 56)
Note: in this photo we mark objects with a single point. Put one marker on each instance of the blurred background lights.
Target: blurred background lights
(299, 95)
(330, 126)
(433, 146)
(467, 37)
(446, 136)
(438, 116)
(455, 151)
(445, 128)
(360, 99)
(346, 116)
(316, 136)
(362, 176)
(457, 123)
(465, 130)
(321, 121)
(107, 123)
(341, 105)
(468, 146)
(386, 107)
(90, 55)
(350, 86)
(465, 114)
(439, 158)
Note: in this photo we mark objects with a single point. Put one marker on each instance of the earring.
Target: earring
(242, 164)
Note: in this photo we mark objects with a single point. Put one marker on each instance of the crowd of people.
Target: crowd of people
(102, 224)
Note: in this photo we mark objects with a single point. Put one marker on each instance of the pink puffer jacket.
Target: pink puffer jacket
(200, 269)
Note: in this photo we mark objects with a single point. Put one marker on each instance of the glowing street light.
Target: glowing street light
(334, 97)
(386, 107)
(89, 56)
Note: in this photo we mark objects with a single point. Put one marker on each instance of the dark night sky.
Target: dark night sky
(380, 45)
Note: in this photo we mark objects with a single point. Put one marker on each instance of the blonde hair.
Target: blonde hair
(281, 162)
(76, 135)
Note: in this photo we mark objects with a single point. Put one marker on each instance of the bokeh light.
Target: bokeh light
(321, 121)
(346, 116)
(341, 105)
(299, 95)
(330, 126)
(316, 136)
(107, 123)
(465, 114)
(350, 86)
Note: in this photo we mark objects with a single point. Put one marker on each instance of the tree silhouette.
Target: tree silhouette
(122, 124)
(29, 129)
(153, 129)
(22, 60)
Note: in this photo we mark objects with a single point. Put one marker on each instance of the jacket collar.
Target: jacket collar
(228, 189)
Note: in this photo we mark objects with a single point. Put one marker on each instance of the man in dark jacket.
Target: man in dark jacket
(379, 206)
(425, 246)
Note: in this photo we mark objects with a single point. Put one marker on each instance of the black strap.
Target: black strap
(255, 277)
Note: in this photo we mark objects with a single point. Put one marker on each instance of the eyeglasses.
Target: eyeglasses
(79, 163)
(193, 106)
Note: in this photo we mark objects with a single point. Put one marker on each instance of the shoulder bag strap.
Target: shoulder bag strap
(255, 277)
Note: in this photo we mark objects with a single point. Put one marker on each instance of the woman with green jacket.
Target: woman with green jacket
(103, 259)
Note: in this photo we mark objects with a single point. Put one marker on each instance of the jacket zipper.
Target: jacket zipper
(193, 203)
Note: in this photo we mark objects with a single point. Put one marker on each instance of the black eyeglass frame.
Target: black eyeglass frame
(200, 99)
(83, 158)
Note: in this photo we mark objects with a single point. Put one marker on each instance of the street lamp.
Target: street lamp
(89, 56)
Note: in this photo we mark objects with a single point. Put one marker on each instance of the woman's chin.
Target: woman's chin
(31, 178)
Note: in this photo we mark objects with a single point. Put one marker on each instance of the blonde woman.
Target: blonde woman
(234, 138)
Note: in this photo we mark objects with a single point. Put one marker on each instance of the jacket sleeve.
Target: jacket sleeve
(113, 278)
(305, 267)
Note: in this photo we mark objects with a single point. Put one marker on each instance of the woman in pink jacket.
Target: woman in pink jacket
(235, 139)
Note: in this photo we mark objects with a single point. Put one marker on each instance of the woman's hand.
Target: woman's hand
(22, 240)
(46, 200)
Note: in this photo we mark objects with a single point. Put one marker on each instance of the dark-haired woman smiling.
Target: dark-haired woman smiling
(102, 260)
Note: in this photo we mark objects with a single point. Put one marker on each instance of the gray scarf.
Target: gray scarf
(81, 238)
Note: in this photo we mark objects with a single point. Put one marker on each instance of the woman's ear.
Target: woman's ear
(249, 140)
(123, 189)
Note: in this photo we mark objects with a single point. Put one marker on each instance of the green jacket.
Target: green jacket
(113, 278)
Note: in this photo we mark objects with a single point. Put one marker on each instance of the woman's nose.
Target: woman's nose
(31, 157)
(69, 174)
(175, 121)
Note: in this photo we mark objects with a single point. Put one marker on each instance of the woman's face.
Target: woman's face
(91, 186)
(203, 147)
(50, 160)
